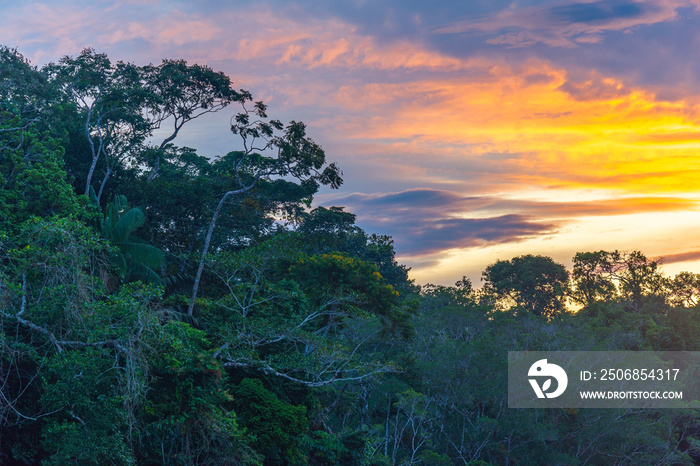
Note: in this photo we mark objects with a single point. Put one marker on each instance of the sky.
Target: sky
(469, 131)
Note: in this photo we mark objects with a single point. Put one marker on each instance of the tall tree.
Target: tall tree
(270, 150)
(590, 282)
(180, 93)
(25, 95)
(312, 320)
(332, 229)
(123, 104)
(603, 275)
(111, 99)
(685, 289)
(536, 283)
(32, 179)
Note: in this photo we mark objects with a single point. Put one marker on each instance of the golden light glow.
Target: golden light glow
(655, 234)
(627, 142)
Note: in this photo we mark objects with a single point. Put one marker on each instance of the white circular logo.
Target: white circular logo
(544, 372)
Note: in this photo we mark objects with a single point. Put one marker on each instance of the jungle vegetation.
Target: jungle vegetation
(161, 307)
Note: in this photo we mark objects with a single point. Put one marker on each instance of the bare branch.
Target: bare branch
(267, 369)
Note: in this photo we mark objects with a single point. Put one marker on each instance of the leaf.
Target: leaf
(148, 255)
(93, 197)
(138, 271)
(132, 220)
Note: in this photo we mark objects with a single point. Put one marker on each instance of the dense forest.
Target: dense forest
(161, 307)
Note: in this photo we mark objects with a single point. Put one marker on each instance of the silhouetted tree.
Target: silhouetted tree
(535, 283)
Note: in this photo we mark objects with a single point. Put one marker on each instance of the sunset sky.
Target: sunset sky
(469, 131)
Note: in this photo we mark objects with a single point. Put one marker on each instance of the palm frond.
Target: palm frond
(139, 271)
(93, 197)
(118, 261)
(176, 279)
(148, 255)
(127, 223)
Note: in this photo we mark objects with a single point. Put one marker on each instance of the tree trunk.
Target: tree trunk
(207, 242)
(102, 185)
(89, 176)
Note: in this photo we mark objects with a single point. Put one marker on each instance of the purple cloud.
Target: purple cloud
(426, 221)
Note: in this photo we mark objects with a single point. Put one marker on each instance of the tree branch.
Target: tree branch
(267, 369)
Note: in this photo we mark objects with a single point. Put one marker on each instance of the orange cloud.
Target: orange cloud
(313, 43)
(597, 133)
(560, 132)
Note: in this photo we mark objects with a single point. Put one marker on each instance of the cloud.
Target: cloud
(461, 233)
(689, 256)
(596, 88)
(598, 207)
(175, 28)
(427, 221)
(567, 24)
(556, 130)
(599, 12)
(141, 28)
(314, 43)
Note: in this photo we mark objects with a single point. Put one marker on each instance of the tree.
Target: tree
(192, 184)
(327, 229)
(25, 95)
(638, 276)
(276, 426)
(270, 150)
(32, 176)
(685, 289)
(112, 100)
(123, 104)
(590, 284)
(181, 93)
(33, 180)
(603, 275)
(306, 319)
(535, 283)
(330, 230)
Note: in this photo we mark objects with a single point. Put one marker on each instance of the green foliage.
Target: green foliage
(83, 387)
(55, 265)
(340, 281)
(334, 230)
(187, 416)
(276, 427)
(33, 181)
(310, 344)
(629, 276)
(437, 459)
(677, 330)
(536, 283)
(275, 316)
(135, 259)
(326, 448)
